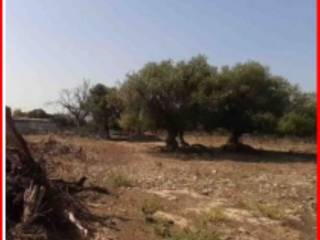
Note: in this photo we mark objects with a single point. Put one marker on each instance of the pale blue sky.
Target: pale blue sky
(54, 44)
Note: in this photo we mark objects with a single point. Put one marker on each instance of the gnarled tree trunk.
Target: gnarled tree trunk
(234, 138)
(182, 141)
(171, 142)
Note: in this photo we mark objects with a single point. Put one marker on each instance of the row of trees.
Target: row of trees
(194, 95)
(245, 98)
(35, 113)
(63, 120)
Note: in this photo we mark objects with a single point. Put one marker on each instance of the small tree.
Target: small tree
(104, 107)
(75, 102)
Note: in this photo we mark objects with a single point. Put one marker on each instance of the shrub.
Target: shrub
(150, 206)
(214, 215)
(119, 180)
(298, 125)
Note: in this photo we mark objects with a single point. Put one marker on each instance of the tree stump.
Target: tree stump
(32, 201)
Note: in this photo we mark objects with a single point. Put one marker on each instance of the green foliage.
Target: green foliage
(130, 121)
(265, 122)
(300, 120)
(191, 95)
(246, 98)
(104, 106)
(165, 93)
(298, 125)
(150, 206)
(136, 121)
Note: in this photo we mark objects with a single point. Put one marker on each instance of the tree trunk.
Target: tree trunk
(139, 131)
(183, 143)
(107, 131)
(234, 138)
(171, 141)
(78, 122)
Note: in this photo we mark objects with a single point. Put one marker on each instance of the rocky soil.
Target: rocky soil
(213, 195)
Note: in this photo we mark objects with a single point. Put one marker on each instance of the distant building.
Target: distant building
(34, 125)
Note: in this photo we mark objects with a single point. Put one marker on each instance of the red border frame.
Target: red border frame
(318, 111)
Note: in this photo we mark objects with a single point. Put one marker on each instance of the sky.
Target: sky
(55, 44)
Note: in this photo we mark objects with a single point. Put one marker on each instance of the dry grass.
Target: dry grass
(150, 206)
(214, 215)
(119, 180)
(271, 211)
(259, 184)
(163, 229)
(268, 210)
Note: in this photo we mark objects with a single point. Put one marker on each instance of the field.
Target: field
(207, 194)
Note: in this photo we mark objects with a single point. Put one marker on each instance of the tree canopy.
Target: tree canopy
(247, 98)
(193, 95)
(104, 106)
(166, 93)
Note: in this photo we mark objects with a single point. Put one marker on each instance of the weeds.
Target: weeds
(214, 215)
(118, 180)
(150, 206)
(270, 211)
(264, 209)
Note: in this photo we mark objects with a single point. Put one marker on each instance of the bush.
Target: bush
(297, 125)
(150, 206)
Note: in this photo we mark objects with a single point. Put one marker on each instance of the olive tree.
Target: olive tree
(246, 98)
(166, 93)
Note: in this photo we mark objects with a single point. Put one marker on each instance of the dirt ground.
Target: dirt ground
(204, 195)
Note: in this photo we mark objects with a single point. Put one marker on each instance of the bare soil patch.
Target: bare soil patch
(266, 195)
